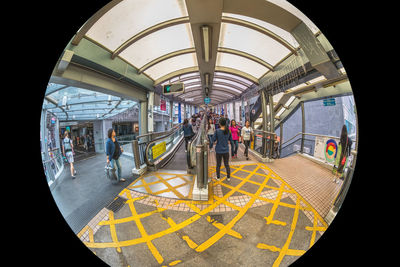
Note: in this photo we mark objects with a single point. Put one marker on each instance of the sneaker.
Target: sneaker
(228, 179)
(122, 180)
(217, 178)
(73, 176)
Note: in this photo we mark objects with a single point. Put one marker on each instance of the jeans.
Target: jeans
(187, 139)
(226, 164)
(210, 139)
(246, 144)
(234, 147)
(115, 163)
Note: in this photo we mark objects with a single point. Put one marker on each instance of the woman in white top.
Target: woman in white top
(68, 152)
(210, 132)
(247, 132)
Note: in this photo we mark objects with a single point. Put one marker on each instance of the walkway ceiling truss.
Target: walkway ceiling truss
(169, 46)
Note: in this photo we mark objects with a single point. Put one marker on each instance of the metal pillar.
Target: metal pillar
(171, 106)
(303, 126)
(150, 118)
(142, 117)
(264, 123)
(271, 125)
(281, 136)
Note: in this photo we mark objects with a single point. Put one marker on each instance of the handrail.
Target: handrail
(318, 135)
(171, 132)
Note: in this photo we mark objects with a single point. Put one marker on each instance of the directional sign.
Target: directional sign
(207, 100)
(329, 102)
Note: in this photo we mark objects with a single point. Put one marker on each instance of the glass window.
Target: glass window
(235, 91)
(136, 15)
(276, 30)
(172, 64)
(242, 64)
(241, 86)
(230, 75)
(159, 43)
(256, 43)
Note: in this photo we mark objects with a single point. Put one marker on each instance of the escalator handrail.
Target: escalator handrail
(171, 132)
(193, 142)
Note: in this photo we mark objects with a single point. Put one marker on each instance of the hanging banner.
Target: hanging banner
(163, 105)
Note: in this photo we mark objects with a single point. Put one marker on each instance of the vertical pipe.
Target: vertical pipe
(171, 118)
(281, 136)
(271, 124)
(303, 127)
(264, 123)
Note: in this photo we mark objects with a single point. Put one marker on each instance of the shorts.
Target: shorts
(69, 156)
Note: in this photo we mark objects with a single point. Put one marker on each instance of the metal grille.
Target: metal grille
(217, 218)
(116, 204)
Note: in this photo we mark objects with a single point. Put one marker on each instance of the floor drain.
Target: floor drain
(216, 217)
(116, 205)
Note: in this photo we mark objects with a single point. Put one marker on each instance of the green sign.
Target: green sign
(207, 100)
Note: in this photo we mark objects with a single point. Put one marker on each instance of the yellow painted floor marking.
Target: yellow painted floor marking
(113, 230)
(91, 237)
(289, 239)
(172, 189)
(291, 252)
(229, 204)
(84, 229)
(189, 241)
(205, 245)
(143, 232)
(269, 219)
(175, 262)
(220, 226)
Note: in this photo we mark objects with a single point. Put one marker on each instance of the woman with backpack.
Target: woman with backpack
(68, 152)
(234, 129)
(222, 136)
(343, 152)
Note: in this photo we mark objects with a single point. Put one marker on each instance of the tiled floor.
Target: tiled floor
(312, 181)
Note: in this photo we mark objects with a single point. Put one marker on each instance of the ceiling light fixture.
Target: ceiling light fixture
(206, 33)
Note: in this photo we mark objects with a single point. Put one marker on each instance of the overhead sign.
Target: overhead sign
(173, 88)
(158, 149)
(207, 100)
(329, 102)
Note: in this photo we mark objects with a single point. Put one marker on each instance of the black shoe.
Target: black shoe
(247, 158)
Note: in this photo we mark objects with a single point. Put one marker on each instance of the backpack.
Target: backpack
(67, 145)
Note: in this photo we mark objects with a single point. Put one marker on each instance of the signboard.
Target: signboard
(325, 148)
(173, 88)
(329, 102)
(163, 105)
(207, 100)
(158, 149)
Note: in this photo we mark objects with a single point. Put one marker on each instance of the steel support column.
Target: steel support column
(303, 126)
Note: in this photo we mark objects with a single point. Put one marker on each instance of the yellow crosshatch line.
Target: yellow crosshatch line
(214, 202)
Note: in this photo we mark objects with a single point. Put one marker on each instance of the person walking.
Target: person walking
(210, 132)
(344, 151)
(234, 129)
(68, 152)
(113, 152)
(222, 136)
(247, 133)
(187, 132)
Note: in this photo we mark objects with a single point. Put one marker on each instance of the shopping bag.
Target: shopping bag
(110, 172)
